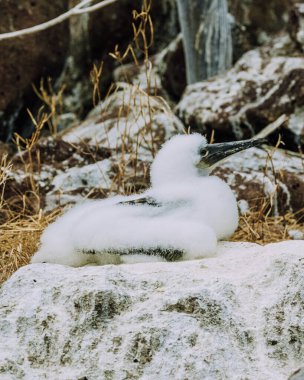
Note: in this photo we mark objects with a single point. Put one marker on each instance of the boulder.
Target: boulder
(238, 315)
(253, 23)
(170, 64)
(259, 178)
(297, 375)
(95, 35)
(254, 93)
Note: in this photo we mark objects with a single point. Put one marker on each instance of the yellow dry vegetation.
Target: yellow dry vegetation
(259, 228)
(19, 240)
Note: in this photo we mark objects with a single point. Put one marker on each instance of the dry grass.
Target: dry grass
(257, 227)
(19, 239)
(52, 101)
(131, 174)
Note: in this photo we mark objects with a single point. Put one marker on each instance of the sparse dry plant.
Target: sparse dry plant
(26, 146)
(5, 169)
(19, 230)
(259, 227)
(19, 239)
(53, 101)
(20, 234)
(143, 37)
(95, 76)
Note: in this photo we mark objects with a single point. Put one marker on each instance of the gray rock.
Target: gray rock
(238, 315)
(262, 86)
(256, 179)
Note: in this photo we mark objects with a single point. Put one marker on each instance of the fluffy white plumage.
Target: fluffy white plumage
(191, 211)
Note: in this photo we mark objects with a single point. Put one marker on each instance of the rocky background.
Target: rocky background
(67, 52)
(96, 151)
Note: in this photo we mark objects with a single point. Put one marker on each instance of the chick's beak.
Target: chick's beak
(214, 153)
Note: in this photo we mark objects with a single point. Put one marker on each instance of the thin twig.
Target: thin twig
(77, 10)
(272, 127)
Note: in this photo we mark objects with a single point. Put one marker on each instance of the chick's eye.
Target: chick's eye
(204, 153)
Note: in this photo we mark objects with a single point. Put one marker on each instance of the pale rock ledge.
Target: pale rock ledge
(239, 315)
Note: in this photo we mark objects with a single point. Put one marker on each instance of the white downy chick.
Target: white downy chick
(182, 215)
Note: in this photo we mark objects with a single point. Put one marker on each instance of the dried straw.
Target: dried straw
(19, 239)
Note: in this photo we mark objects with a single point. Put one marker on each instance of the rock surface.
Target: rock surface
(256, 179)
(238, 315)
(255, 92)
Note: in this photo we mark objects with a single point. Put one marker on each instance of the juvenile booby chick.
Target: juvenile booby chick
(182, 215)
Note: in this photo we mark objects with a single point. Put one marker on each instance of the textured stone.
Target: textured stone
(171, 68)
(256, 180)
(255, 92)
(297, 375)
(238, 315)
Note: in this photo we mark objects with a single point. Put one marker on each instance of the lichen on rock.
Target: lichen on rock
(238, 315)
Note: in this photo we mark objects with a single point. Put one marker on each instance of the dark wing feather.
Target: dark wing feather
(170, 254)
(149, 201)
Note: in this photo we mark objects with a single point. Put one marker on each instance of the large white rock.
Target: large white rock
(239, 315)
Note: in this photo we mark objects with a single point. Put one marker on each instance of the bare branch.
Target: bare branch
(80, 8)
(272, 127)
